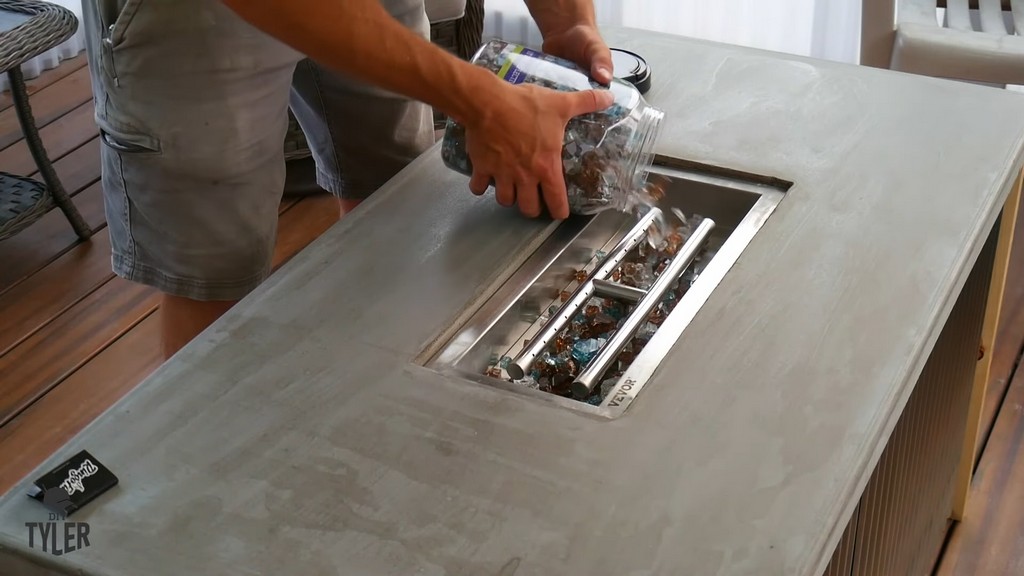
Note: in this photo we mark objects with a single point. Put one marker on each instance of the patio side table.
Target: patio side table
(28, 28)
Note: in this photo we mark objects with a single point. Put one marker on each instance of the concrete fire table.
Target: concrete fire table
(802, 410)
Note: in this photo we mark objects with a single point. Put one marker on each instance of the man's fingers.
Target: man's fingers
(552, 184)
(479, 183)
(587, 101)
(505, 192)
(600, 62)
(528, 197)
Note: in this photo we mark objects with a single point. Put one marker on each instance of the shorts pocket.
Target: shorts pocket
(116, 18)
(127, 142)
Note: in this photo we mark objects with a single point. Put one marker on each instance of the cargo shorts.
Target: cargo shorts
(192, 106)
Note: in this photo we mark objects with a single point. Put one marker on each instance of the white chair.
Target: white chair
(977, 41)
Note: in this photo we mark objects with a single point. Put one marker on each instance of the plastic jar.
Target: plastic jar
(606, 155)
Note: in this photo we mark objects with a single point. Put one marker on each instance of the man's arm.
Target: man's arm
(513, 132)
(360, 39)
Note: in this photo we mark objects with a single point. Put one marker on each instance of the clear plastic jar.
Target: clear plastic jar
(606, 155)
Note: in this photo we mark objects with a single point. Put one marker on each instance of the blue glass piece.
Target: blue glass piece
(585, 350)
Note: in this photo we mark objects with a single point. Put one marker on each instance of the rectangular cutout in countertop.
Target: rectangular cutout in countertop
(585, 321)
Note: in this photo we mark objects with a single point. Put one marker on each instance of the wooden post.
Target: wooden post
(988, 341)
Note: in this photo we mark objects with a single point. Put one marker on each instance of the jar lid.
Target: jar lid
(632, 68)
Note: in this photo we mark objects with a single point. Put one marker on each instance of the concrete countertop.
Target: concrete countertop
(297, 437)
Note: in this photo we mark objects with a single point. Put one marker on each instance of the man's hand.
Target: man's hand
(583, 45)
(518, 145)
(569, 28)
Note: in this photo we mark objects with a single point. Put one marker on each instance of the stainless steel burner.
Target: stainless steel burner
(589, 316)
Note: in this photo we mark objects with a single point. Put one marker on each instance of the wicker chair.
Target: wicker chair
(28, 28)
(462, 37)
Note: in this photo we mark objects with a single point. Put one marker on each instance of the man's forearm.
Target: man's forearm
(360, 39)
(558, 15)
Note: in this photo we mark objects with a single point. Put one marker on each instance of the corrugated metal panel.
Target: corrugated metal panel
(842, 559)
(903, 516)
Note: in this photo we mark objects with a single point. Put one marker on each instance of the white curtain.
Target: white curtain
(52, 58)
(828, 29)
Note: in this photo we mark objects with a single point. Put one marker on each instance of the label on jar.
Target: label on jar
(512, 73)
(530, 66)
(522, 64)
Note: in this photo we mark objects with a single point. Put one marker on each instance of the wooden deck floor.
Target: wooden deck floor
(74, 338)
